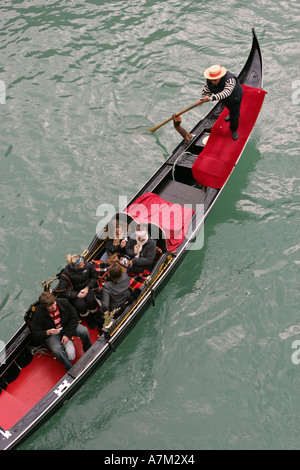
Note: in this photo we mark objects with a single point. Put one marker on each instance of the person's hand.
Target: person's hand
(65, 339)
(83, 293)
(206, 99)
(52, 331)
(136, 249)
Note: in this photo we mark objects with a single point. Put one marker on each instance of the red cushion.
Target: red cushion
(216, 161)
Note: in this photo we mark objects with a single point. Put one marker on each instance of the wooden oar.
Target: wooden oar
(177, 114)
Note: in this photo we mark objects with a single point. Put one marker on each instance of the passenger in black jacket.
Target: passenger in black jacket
(141, 248)
(117, 241)
(76, 282)
(54, 322)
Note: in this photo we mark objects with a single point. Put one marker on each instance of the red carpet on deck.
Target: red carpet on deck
(216, 161)
(34, 381)
(173, 219)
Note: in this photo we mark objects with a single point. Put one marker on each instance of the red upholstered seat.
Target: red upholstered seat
(173, 219)
(216, 161)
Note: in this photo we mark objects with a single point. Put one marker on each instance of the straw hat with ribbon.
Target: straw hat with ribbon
(215, 72)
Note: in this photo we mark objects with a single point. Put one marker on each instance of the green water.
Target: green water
(210, 366)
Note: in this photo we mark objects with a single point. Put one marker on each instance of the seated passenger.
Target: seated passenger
(76, 282)
(54, 322)
(115, 292)
(141, 249)
(116, 244)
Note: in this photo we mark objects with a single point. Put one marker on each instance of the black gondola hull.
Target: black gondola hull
(251, 75)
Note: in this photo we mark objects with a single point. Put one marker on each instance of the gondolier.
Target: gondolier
(224, 86)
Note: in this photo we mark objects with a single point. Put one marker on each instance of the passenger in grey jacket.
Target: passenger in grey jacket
(115, 292)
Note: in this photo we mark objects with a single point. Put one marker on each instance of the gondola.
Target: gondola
(187, 185)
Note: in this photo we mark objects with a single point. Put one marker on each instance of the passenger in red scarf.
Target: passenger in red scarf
(54, 322)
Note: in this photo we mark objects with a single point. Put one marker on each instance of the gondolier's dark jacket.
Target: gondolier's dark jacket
(42, 321)
(236, 94)
(72, 280)
(146, 257)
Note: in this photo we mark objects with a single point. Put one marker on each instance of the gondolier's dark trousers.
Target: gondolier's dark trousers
(234, 113)
(234, 107)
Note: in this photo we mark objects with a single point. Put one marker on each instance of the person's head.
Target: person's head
(141, 232)
(115, 229)
(119, 231)
(47, 301)
(115, 272)
(75, 261)
(215, 73)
